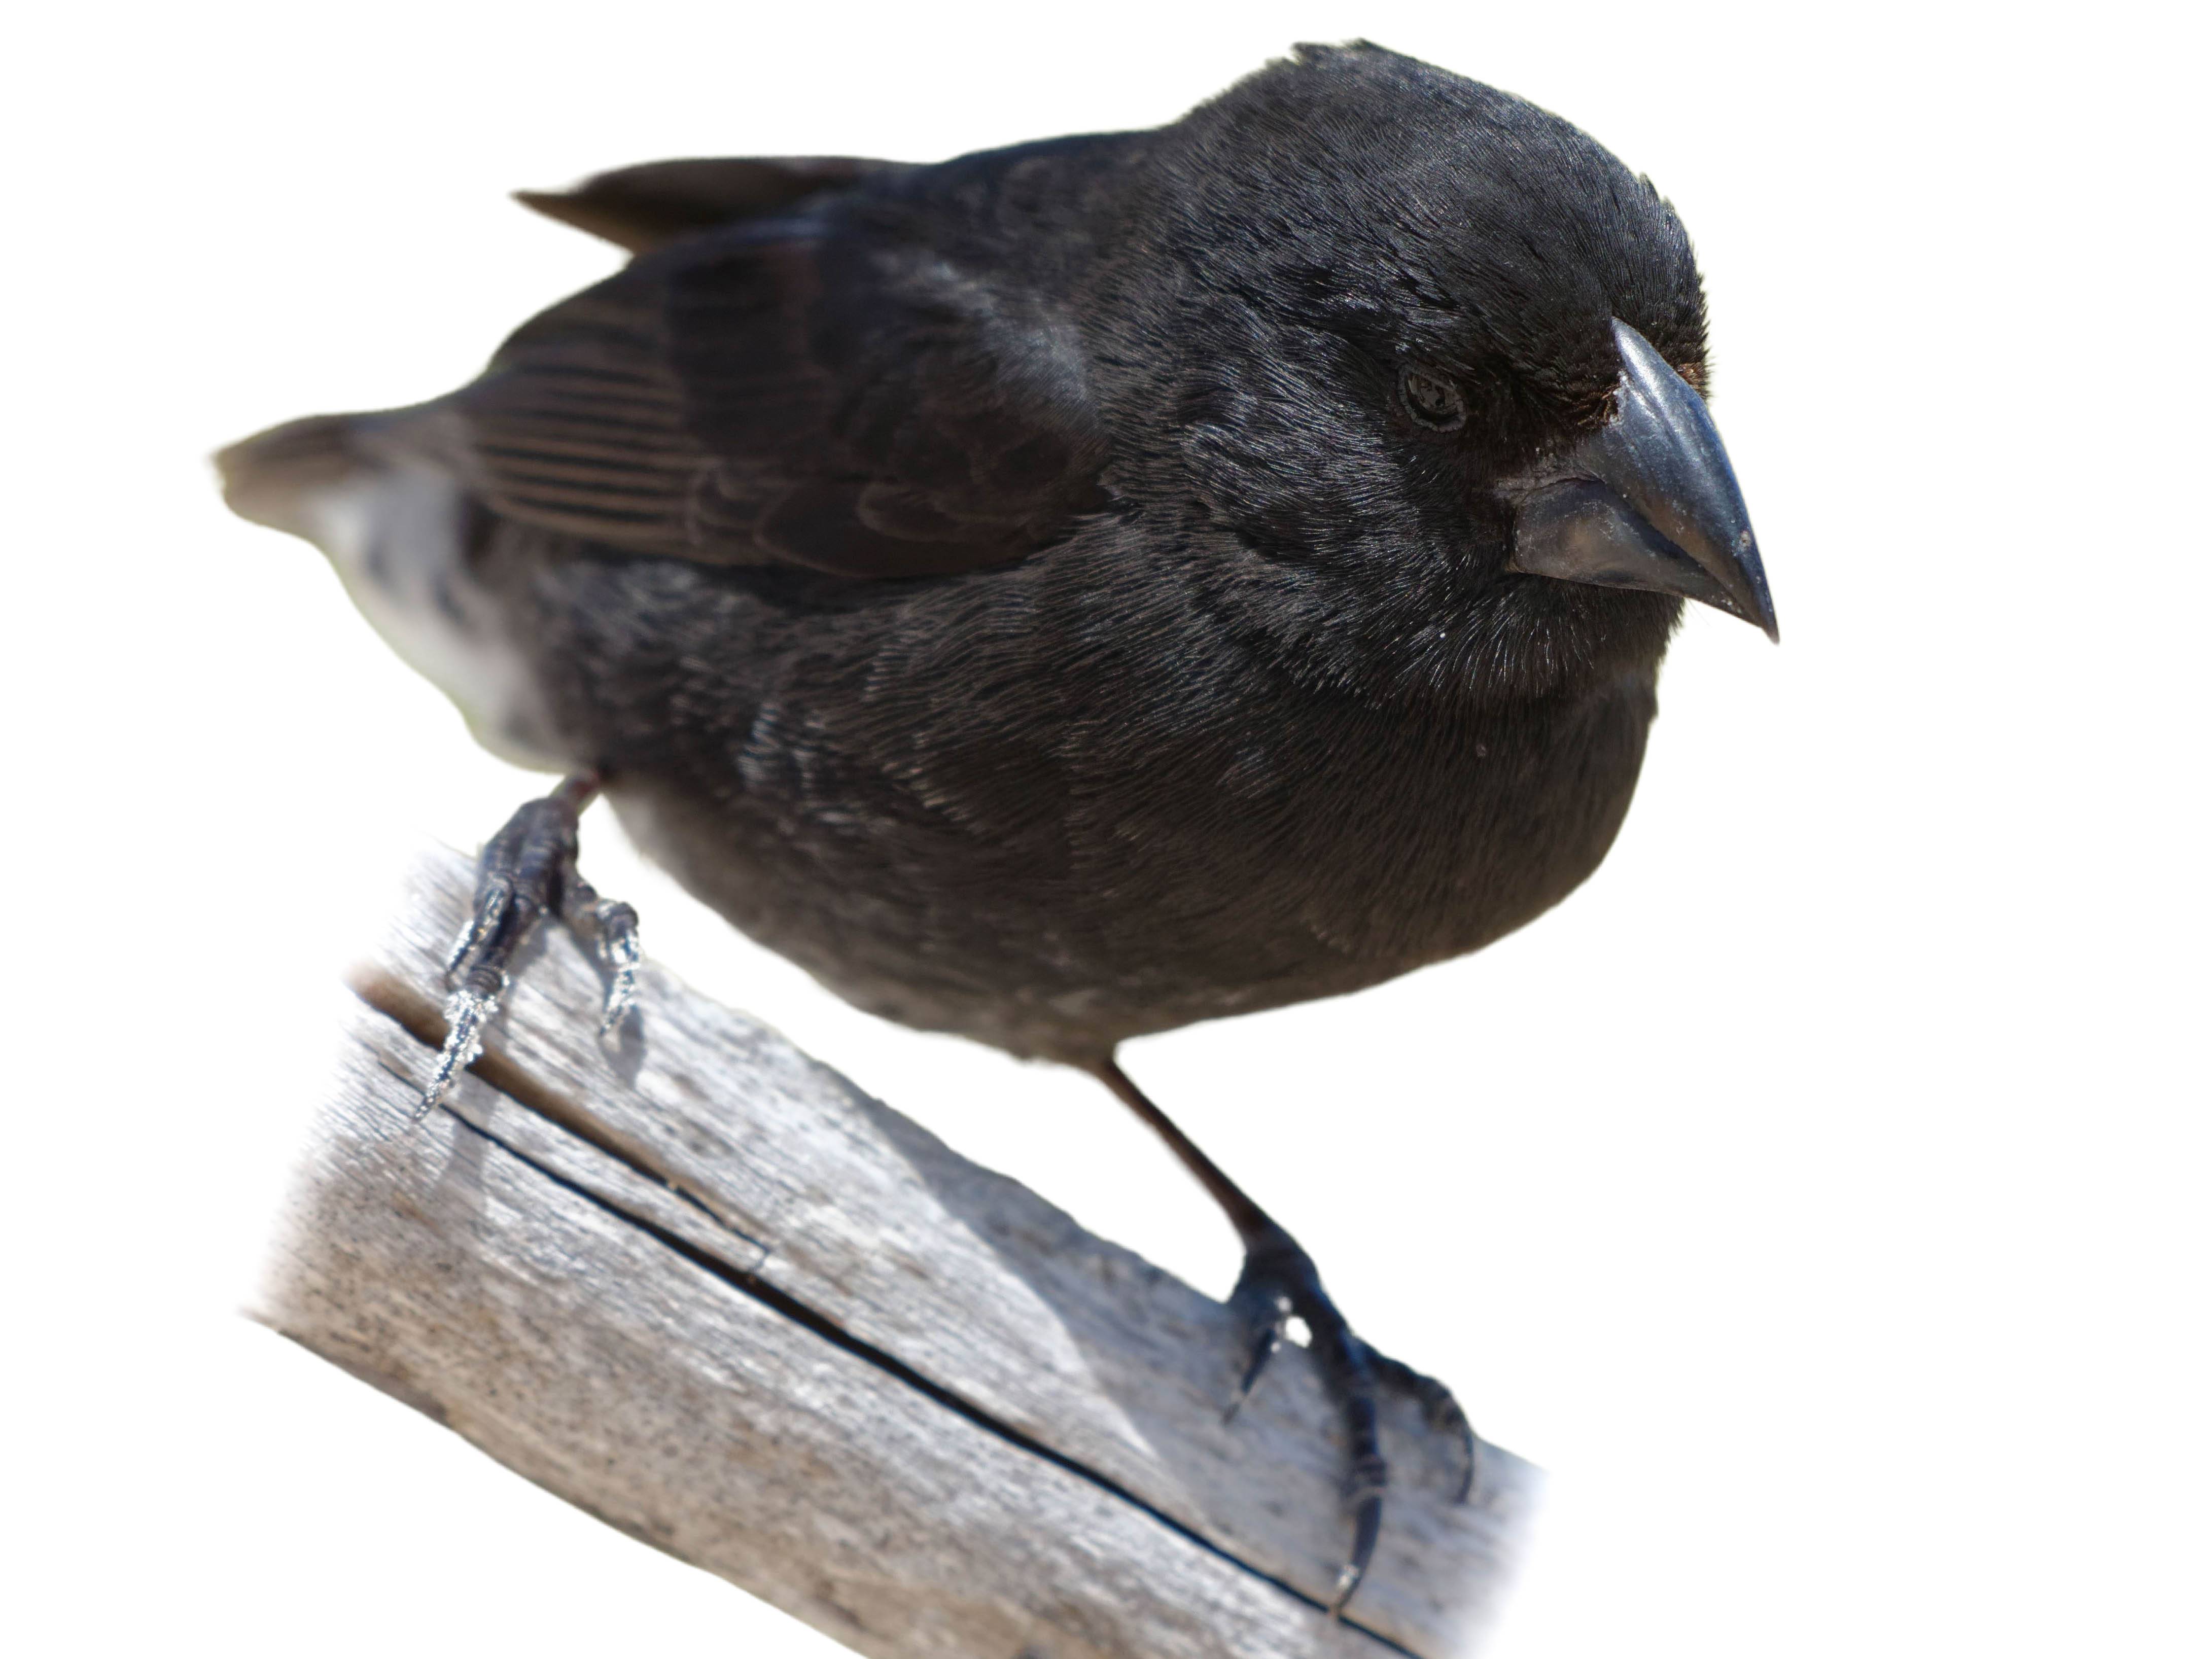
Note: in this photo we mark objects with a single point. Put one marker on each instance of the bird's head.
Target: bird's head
(1443, 380)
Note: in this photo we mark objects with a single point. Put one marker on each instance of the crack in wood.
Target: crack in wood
(709, 1291)
(422, 1019)
(415, 1015)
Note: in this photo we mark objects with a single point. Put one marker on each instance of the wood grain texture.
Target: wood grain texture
(705, 1289)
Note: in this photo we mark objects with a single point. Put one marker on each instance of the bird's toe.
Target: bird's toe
(1279, 1282)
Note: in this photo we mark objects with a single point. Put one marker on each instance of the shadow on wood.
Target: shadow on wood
(703, 1288)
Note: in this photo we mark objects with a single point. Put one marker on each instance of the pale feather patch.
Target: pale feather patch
(394, 536)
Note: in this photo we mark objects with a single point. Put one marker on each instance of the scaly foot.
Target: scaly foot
(1279, 1282)
(528, 870)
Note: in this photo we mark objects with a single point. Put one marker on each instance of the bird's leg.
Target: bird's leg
(526, 871)
(1279, 1282)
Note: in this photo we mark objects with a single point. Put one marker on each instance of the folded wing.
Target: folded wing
(830, 391)
(822, 382)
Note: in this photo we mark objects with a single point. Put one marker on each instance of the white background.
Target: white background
(1819, 1193)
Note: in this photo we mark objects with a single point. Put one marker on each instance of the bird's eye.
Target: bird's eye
(1432, 400)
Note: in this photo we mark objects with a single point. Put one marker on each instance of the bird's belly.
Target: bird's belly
(1404, 845)
(1212, 883)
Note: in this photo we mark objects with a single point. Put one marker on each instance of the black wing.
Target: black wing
(833, 390)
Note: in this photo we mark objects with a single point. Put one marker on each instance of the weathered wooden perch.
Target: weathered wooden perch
(708, 1292)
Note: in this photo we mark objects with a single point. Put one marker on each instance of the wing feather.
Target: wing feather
(827, 390)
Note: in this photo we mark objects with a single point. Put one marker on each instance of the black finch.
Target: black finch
(1071, 591)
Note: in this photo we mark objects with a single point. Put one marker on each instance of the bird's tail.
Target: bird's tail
(397, 528)
(275, 477)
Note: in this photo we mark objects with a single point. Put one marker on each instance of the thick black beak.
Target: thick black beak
(1650, 502)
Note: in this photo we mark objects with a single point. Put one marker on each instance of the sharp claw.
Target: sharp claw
(1269, 1311)
(1368, 1485)
(619, 950)
(619, 997)
(1270, 1339)
(467, 1013)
